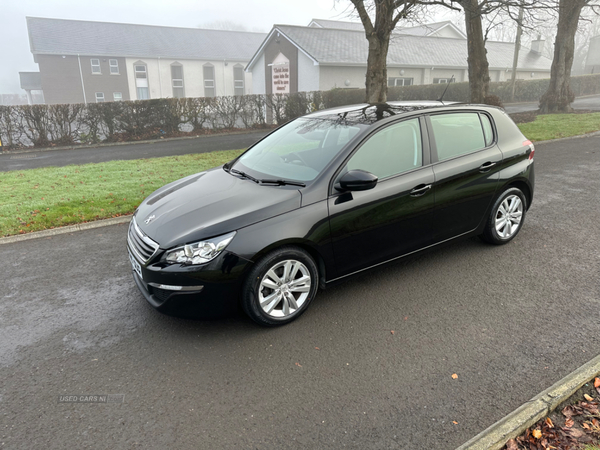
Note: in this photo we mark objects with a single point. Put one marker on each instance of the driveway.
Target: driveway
(168, 147)
(585, 103)
(509, 321)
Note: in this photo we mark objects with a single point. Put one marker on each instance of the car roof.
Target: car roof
(368, 114)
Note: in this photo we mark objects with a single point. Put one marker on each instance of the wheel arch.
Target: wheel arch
(523, 187)
(307, 246)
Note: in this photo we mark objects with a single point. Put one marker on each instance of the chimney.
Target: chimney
(537, 46)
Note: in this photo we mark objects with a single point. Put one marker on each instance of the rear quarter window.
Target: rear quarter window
(457, 134)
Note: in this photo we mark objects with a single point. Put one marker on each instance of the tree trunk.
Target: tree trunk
(479, 74)
(376, 80)
(513, 75)
(558, 97)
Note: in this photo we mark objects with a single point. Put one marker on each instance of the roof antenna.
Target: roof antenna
(447, 86)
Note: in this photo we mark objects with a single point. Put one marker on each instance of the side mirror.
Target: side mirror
(357, 180)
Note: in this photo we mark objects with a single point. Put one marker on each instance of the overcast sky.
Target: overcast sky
(256, 15)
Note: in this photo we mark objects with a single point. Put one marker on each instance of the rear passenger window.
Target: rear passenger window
(457, 134)
(488, 131)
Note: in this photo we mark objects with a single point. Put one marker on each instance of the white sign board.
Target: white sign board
(280, 75)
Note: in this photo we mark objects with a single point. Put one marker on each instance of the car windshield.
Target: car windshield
(298, 151)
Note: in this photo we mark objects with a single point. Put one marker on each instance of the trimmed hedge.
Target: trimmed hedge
(76, 124)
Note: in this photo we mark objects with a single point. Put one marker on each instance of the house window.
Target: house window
(238, 79)
(117, 96)
(141, 81)
(99, 97)
(95, 66)
(114, 66)
(177, 80)
(209, 80)
(400, 81)
(442, 80)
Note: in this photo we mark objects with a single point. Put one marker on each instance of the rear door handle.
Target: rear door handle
(420, 190)
(486, 167)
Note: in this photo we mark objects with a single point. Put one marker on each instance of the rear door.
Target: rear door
(466, 164)
(393, 218)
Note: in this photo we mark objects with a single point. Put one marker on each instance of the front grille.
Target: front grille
(140, 243)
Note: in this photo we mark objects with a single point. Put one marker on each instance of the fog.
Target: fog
(253, 15)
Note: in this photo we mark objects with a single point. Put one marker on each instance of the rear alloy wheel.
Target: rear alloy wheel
(280, 286)
(507, 217)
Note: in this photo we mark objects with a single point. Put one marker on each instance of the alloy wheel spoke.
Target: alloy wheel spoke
(286, 306)
(292, 300)
(286, 271)
(274, 303)
(270, 284)
(271, 274)
(294, 271)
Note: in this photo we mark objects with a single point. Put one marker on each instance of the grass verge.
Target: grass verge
(555, 126)
(38, 199)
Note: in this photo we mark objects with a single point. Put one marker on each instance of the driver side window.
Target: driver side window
(390, 151)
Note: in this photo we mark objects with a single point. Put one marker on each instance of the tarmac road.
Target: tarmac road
(168, 147)
(509, 321)
(591, 103)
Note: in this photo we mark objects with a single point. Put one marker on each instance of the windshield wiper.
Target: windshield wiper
(283, 182)
(242, 174)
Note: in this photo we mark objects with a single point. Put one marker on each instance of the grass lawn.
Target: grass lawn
(554, 126)
(38, 199)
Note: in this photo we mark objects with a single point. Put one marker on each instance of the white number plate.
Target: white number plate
(135, 265)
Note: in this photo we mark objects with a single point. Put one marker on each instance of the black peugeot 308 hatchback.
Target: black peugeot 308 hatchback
(328, 195)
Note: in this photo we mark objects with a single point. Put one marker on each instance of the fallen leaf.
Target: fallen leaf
(406, 318)
(455, 422)
(454, 376)
(597, 382)
(317, 348)
(536, 434)
(392, 331)
(569, 423)
(585, 425)
(588, 398)
(549, 422)
(512, 445)
(299, 365)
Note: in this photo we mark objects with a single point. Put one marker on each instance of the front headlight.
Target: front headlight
(199, 252)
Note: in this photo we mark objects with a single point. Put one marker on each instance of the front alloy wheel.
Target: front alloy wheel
(280, 286)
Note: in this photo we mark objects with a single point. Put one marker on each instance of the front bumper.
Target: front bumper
(208, 289)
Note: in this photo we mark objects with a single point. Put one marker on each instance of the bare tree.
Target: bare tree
(559, 96)
(387, 14)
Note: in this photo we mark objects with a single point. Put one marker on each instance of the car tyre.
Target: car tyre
(507, 217)
(280, 286)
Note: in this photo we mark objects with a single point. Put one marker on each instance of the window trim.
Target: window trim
(433, 145)
(173, 80)
(103, 97)
(147, 78)
(96, 65)
(242, 80)
(110, 66)
(426, 155)
(412, 81)
(204, 80)
(115, 99)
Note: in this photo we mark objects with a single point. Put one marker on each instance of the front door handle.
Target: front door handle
(420, 190)
(486, 167)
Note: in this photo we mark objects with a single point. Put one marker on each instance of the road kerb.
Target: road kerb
(67, 229)
(511, 426)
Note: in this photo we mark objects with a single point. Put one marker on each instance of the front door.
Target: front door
(393, 218)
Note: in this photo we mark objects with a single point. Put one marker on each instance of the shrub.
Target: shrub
(51, 125)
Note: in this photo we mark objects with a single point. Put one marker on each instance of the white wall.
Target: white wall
(258, 76)
(335, 76)
(308, 74)
(159, 81)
